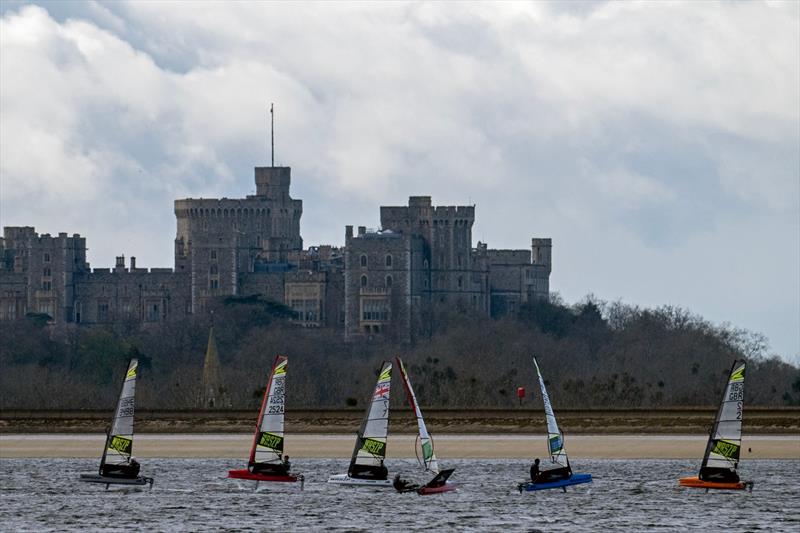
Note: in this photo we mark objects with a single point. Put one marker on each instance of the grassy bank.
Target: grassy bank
(440, 421)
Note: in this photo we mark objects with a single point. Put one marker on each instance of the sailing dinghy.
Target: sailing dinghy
(117, 465)
(440, 483)
(366, 464)
(559, 475)
(721, 458)
(267, 462)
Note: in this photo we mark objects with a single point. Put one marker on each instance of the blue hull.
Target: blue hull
(575, 479)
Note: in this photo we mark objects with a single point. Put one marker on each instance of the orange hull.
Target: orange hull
(696, 483)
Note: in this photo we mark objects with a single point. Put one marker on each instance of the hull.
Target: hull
(697, 483)
(107, 480)
(447, 487)
(344, 479)
(575, 479)
(246, 474)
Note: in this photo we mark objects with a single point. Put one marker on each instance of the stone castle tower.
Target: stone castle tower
(218, 240)
(391, 282)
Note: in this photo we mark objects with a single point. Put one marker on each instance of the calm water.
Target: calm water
(193, 495)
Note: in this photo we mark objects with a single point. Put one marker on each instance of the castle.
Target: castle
(389, 283)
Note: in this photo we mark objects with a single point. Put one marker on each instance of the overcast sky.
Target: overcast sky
(658, 144)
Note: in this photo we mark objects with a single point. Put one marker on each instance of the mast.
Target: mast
(370, 448)
(429, 461)
(119, 441)
(725, 438)
(268, 438)
(555, 441)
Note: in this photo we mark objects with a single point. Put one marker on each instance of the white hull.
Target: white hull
(344, 479)
(108, 480)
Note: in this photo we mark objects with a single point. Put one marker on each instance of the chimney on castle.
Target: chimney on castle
(133, 263)
(120, 266)
(348, 232)
(362, 230)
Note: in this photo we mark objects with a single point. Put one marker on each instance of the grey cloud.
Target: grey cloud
(636, 136)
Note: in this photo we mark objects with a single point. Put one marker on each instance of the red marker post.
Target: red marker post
(520, 394)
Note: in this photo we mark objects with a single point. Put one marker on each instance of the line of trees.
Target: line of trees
(592, 354)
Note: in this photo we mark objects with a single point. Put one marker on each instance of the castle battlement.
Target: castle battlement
(386, 282)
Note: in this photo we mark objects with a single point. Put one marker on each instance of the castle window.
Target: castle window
(388, 281)
(363, 260)
(102, 312)
(46, 307)
(460, 282)
(375, 310)
(213, 284)
(425, 283)
(389, 260)
(46, 272)
(213, 270)
(47, 285)
(46, 257)
(213, 254)
(363, 281)
(425, 263)
(152, 312)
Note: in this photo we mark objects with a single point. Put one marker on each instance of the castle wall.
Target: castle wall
(106, 296)
(389, 283)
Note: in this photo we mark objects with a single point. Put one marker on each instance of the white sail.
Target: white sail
(268, 440)
(426, 443)
(119, 442)
(370, 449)
(555, 441)
(725, 440)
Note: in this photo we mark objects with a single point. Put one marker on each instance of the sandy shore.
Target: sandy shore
(447, 446)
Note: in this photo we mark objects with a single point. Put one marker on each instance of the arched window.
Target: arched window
(425, 264)
(363, 281)
(389, 260)
(363, 260)
(388, 281)
(460, 282)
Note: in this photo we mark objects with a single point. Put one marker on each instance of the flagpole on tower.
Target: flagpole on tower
(272, 131)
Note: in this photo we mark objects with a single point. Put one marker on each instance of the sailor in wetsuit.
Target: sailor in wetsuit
(127, 471)
(535, 470)
(552, 474)
(719, 475)
(368, 471)
(400, 484)
(271, 469)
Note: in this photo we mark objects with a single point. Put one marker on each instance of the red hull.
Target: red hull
(246, 474)
(697, 483)
(447, 487)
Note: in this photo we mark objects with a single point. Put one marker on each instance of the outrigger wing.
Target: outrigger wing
(119, 441)
(725, 440)
(268, 438)
(370, 449)
(428, 456)
(555, 440)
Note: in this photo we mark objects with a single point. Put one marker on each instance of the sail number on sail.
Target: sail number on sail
(121, 444)
(277, 395)
(737, 392)
(273, 442)
(375, 447)
(726, 449)
(126, 406)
